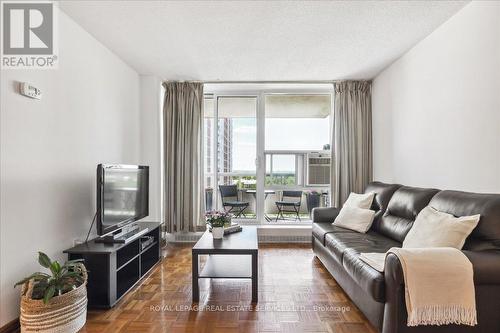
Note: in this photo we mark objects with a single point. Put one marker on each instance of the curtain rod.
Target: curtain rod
(261, 82)
(269, 82)
(274, 82)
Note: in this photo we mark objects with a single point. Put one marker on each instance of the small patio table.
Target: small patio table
(266, 194)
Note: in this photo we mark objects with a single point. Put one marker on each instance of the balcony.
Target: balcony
(285, 171)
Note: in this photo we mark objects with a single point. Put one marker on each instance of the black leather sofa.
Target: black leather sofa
(380, 296)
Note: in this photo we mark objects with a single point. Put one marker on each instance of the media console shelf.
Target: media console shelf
(115, 268)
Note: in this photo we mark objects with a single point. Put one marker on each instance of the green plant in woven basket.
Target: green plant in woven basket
(63, 278)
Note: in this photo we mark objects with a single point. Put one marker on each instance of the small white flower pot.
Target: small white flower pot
(218, 232)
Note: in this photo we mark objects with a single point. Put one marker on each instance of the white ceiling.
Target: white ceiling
(256, 40)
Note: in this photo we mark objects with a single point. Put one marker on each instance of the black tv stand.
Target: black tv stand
(115, 268)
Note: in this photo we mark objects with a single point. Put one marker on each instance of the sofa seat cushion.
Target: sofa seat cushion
(320, 230)
(338, 242)
(368, 278)
(346, 247)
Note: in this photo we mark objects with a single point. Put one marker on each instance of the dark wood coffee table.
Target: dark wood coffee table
(233, 257)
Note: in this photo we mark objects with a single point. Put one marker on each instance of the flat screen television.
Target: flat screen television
(122, 195)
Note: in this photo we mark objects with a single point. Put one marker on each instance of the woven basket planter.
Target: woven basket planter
(66, 313)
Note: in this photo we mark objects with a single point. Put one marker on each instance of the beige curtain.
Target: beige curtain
(352, 139)
(183, 135)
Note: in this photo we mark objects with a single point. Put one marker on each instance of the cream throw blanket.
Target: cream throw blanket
(439, 285)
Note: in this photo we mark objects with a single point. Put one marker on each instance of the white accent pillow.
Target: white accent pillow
(437, 229)
(359, 200)
(354, 218)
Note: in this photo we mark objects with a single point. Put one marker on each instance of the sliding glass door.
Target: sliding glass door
(262, 147)
(297, 132)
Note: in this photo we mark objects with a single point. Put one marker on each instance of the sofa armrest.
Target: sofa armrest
(324, 214)
(486, 266)
(395, 309)
(393, 271)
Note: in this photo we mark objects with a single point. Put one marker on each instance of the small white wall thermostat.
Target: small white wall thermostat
(30, 91)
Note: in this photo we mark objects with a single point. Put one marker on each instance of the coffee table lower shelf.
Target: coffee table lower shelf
(227, 266)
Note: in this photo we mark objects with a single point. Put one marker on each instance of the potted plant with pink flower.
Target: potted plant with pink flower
(216, 219)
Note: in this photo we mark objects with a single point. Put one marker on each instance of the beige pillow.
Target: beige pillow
(360, 200)
(437, 229)
(354, 218)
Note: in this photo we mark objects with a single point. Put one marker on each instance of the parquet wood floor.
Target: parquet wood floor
(296, 294)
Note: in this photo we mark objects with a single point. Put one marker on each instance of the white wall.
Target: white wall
(150, 141)
(436, 110)
(50, 148)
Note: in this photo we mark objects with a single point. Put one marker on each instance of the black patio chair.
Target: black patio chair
(236, 207)
(287, 204)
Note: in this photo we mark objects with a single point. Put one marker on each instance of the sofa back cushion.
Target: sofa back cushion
(403, 208)
(486, 235)
(383, 193)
